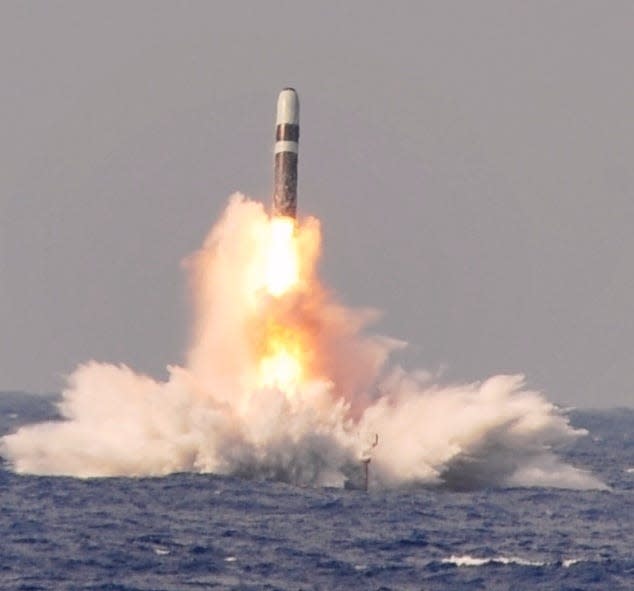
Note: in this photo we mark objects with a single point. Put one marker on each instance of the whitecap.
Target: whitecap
(161, 551)
(467, 560)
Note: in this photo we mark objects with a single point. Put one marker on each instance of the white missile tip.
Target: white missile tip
(287, 107)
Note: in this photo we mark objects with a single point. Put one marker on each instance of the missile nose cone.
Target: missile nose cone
(287, 107)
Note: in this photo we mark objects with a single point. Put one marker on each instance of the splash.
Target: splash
(282, 381)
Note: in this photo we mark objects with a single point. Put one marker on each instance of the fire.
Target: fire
(281, 362)
(282, 271)
(282, 365)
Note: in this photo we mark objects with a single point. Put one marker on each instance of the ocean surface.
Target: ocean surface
(191, 531)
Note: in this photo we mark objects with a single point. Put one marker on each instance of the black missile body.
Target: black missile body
(286, 151)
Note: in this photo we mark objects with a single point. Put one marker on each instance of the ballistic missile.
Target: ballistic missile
(286, 150)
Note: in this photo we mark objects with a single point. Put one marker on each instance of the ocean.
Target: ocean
(197, 531)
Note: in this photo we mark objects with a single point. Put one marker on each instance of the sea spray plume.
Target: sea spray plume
(282, 382)
(494, 433)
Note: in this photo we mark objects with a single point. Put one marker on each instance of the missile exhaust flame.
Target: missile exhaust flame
(281, 363)
(282, 269)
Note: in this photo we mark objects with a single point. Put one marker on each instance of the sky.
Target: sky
(470, 162)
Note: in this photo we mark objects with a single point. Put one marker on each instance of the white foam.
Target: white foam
(467, 560)
(161, 551)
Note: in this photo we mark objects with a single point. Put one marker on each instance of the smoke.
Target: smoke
(286, 383)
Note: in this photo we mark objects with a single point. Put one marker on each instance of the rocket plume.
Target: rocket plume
(282, 381)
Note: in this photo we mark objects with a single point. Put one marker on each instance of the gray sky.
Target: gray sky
(471, 163)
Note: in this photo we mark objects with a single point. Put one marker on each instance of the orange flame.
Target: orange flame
(281, 364)
(282, 265)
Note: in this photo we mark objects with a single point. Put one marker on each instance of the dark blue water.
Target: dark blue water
(206, 532)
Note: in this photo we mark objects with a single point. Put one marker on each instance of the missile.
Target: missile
(286, 150)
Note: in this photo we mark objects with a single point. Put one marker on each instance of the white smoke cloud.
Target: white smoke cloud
(211, 416)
